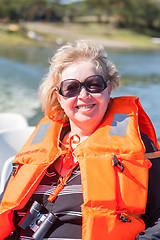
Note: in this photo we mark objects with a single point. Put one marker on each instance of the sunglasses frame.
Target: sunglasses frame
(82, 84)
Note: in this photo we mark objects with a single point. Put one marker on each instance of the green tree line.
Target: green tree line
(141, 15)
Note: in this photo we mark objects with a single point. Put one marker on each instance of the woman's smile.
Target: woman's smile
(85, 107)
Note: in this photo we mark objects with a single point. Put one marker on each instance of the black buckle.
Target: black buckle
(124, 218)
(117, 163)
(15, 168)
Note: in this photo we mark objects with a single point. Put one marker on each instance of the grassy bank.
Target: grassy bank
(47, 35)
(15, 36)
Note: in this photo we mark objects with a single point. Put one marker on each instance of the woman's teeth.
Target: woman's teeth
(85, 106)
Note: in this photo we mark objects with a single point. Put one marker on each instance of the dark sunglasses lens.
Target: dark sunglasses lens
(95, 84)
(70, 88)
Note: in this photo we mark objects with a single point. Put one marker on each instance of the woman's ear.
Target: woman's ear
(59, 99)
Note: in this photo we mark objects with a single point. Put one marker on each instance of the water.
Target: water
(22, 70)
(20, 74)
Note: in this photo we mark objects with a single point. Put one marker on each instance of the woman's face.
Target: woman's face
(85, 108)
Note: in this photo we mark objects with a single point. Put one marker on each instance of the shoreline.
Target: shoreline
(52, 35)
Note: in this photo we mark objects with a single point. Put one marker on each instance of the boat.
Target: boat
(14, 131)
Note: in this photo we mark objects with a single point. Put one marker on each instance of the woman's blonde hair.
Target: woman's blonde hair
(65, 56)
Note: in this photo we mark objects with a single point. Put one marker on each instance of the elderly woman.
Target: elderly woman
(84, 173)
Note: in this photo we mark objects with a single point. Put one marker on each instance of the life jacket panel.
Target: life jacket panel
(105, 224)
(107, 191)
(40, 150)
(33, 159)
(6, 223)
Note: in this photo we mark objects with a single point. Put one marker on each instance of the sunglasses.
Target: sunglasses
(72, 87)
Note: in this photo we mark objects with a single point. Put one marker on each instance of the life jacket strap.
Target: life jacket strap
(152, 155)
(63, 181)
(135, 215)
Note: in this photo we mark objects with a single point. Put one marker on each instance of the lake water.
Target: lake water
(22, 70)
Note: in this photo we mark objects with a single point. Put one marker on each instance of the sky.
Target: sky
(70, 1)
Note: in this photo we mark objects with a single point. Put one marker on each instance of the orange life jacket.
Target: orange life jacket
(114, 172)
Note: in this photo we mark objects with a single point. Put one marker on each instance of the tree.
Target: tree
(31, 9)
(101, 7)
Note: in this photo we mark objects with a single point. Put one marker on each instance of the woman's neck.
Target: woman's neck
(84, 129)
(78, 136)
(82, 132)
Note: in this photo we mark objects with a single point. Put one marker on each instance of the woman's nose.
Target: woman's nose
(83, 93)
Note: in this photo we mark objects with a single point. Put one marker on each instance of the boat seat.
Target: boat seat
(11, 141)
(12, 121)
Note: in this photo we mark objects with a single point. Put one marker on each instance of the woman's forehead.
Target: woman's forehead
(79, 70)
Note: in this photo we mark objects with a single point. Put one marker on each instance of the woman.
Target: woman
(85, 136)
